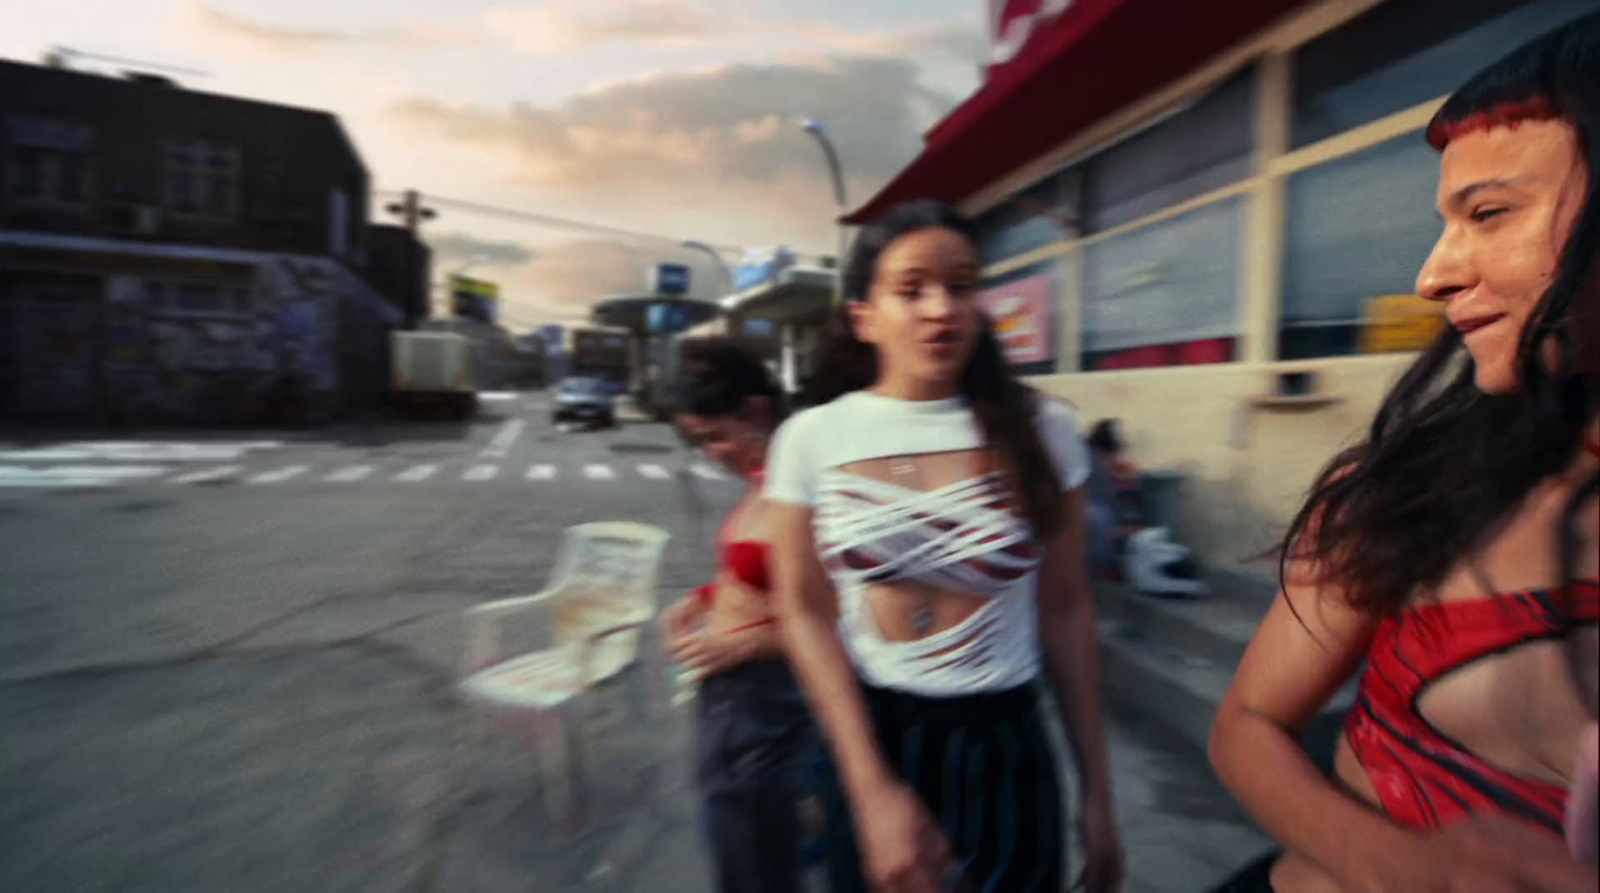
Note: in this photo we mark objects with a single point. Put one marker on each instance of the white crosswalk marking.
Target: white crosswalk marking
(542, 473)
(416, 474)
(280, 475)
(654, 472)
(599, 472)
(350, 475)
(77, 475)
(501, 443)
(210, 474)
(707, 472)
(480, 473)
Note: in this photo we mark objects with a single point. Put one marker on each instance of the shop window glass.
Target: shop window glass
(1164, 294)
(1357, 228)
(1041, 215)
(1406, 52)
(1201, 148)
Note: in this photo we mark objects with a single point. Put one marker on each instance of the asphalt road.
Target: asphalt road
(226, 663)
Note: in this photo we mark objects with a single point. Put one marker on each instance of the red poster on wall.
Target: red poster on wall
(1021, 313)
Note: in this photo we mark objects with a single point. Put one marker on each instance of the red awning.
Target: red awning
(1086, 63)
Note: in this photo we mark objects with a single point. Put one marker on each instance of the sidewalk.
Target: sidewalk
(328, 752)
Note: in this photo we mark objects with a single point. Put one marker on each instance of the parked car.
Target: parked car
(582, 399)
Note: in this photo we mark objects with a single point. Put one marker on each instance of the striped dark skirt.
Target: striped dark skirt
(985, 768)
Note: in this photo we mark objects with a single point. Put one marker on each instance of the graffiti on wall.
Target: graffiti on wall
(275, 356)
(213, 346)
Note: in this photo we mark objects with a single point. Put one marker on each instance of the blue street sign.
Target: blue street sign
(672, 279)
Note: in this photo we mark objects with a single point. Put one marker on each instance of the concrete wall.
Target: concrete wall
(1245, 466)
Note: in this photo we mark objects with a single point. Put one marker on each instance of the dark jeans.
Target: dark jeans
(985, 769)
(754, 740)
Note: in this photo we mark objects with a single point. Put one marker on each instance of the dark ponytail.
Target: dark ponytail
(720, 379)
(1005, 409)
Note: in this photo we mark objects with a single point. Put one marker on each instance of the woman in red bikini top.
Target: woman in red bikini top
(753, 732)
(1454, 552)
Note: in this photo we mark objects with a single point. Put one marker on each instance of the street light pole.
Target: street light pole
(815, 128)
(722, 265)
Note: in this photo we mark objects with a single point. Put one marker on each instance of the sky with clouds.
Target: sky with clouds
(677, 117)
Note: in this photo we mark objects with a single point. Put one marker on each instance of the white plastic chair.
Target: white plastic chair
(591, 618)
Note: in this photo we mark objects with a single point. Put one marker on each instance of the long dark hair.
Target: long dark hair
(721, 377)
(1444, 464)
(1005, 409)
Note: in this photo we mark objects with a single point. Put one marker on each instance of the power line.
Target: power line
(553, 221)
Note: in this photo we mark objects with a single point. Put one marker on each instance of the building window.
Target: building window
(1406, 52)
(1197, 150)
(1164, 294)
(199, 298)
(1043, 214)
(1357, 228)
(202, 179)
(48, 164)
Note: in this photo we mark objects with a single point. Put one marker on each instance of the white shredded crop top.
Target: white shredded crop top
(959, 537)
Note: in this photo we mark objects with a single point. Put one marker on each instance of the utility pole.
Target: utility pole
(411, 211)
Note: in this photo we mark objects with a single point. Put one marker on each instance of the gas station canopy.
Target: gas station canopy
(632, 312)
(796, 294)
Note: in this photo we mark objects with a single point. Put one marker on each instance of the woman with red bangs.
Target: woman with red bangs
(1454, 552)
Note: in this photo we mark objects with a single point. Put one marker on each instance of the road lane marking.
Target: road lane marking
(542, 473)
(280, 475)
(503, 439)
(707, 472)
(138, 451)
(416, 474)
(77, 475)
(209, 475)
(480, 473)
(351, 475)
(654, 472)
(599, 472)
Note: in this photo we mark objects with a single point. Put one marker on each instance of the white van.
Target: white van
(436, 370)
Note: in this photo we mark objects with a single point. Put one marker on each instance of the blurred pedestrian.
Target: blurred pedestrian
(1455, 551)
(928, 536)
(1105, 498)
(754, 735)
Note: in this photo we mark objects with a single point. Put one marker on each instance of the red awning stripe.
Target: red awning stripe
(1093, 59)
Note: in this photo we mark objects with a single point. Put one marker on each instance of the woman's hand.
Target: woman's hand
(1484, 854)
(709, 652)
(902, 849)
(1101, 847)
(681, 616)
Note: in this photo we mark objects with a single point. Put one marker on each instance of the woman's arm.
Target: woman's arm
(901, 847)
(1291, 669)
(1071, 649)
(807, 618)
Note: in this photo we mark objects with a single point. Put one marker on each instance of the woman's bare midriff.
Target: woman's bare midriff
(1295, 873)
(895, 609)
(736, 606)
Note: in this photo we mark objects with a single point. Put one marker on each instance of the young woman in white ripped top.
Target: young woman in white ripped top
(928, 540)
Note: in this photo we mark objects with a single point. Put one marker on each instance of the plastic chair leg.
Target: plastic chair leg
(566, 792)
